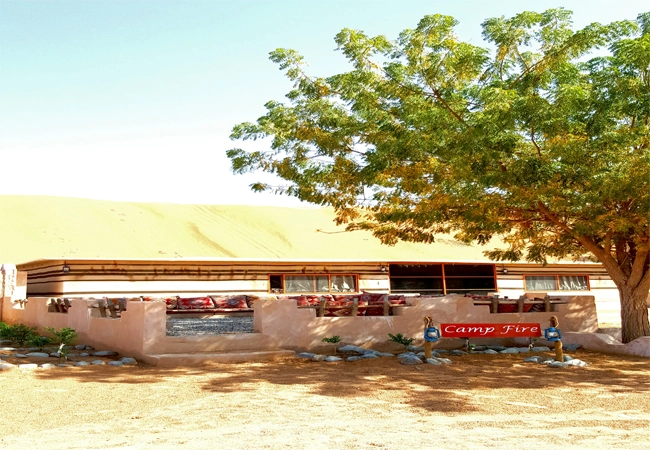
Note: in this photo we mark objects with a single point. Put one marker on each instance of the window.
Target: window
(440, 279)
(280, 284)
(557, 283)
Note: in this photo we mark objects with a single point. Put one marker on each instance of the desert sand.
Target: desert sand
(41, 227)
(478, 402)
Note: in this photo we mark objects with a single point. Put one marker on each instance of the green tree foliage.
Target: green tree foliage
(542, 139)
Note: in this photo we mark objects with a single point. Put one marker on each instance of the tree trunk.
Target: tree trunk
(634, 313)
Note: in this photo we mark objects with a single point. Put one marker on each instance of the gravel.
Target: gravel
(208, 326)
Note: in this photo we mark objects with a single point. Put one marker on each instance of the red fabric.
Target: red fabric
(238, 302)
(508, 308)
(372, 297)
(172, 303)
(195, 303)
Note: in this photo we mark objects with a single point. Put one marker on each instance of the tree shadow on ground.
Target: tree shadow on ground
(457, 387)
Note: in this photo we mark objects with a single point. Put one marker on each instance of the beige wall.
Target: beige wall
(141, 331)
(13, 286)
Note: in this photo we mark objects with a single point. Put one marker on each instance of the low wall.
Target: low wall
(141, 330)
(297, 329)
(606, 344)
(130, 335)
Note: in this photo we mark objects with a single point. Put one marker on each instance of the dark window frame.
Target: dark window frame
(443, 277)
(329, 276)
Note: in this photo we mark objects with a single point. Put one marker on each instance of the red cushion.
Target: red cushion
(512, 308)
(372, 297)
(195, 303)
(238, 302)
(172, 303)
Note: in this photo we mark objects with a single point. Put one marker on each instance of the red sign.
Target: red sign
(493, 330)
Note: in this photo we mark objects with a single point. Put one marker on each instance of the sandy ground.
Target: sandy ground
(480, 401)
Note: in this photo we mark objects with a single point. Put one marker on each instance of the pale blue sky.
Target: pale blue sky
(134, 100)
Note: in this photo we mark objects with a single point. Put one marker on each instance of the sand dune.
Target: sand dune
(34, 227)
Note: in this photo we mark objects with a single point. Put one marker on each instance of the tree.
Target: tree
(542, 140)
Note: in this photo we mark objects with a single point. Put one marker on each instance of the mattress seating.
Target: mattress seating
(521, 305)
(349, 305)
(206, 305)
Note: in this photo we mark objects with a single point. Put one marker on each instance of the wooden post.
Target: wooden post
(355, 307)
(428, 345)
(520, 304)
(495, 305)
(559, 354)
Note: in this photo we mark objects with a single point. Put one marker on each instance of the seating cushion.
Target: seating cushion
(237, 302)
(195, 303)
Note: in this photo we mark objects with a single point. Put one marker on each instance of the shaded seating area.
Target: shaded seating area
(349, 305)
(523, 304)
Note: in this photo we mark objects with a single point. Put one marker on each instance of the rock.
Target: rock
(80, 347)
(406, 355)
(55, 355)
(105, 353)
(63, 365)
(384, 354)
(571, 347)
(318, 358)
(534, 359)
(38, 354)
(47, 366)
(353, 358)
(20, 355)
(576, 363)
(369, 356)
(441, 350)
(98, 362)
(4, 342)
(129, 361)
(489, 351)
(366, 352)
(334, 359)
(28, 366)
(497, 348)
(410, 360)
(82, 363)
(7, 366)
(305, 355)
(480, 348)
(457, 353)
(567, 358)
(116, 363)
(509, 351)
(541, 349)
(557, 364)
(8, 349)
(415, 348)
(434, 361)
(523, 349)
(84, 354)
(445, 360)
(351, 349)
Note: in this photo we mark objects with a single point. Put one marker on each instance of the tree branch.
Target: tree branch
(606, 258)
